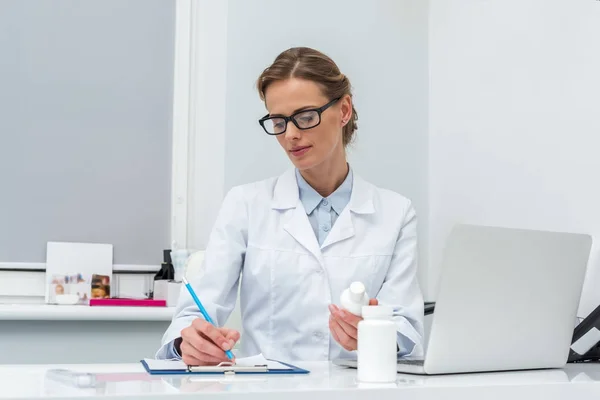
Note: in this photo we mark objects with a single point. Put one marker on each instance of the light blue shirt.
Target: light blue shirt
(323, 211)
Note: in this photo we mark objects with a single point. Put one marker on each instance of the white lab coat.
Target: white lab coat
(263, 238)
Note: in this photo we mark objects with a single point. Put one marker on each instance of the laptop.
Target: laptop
(507, 300)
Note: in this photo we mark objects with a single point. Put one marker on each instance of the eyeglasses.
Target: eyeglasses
(305, 119)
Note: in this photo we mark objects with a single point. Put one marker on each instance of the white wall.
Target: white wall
(381, 45)
(514, 127)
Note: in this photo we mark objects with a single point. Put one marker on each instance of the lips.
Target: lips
(300, 150)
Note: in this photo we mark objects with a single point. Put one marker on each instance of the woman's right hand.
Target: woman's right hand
(202, 343)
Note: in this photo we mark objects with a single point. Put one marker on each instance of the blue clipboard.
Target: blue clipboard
(225, 368)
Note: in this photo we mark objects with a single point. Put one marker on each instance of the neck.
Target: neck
(325, 178)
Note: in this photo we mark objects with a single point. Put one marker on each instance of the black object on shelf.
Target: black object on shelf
(167, 256)
(166, 272)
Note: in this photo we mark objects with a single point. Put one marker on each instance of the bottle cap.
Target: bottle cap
(357, 291)
(377, 311)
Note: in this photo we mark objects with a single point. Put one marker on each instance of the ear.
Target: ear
(345, 109)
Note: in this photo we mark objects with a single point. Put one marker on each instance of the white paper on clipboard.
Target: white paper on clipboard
(257, 360)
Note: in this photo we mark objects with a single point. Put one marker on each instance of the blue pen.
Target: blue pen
(203, 311)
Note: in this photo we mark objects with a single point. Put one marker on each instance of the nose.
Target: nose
(291, 132)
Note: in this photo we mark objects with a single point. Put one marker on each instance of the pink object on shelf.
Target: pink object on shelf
(115, 302)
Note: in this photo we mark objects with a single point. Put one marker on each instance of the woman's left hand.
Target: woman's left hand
(344, 326)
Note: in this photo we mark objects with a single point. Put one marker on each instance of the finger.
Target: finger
(347, 317)
(344, 315)
(212, 333)
(343, 339)
(211, 349)
(333, 329)
(350, 330)
(231, 335)
(333, 309)
(192, 356)
(205, 354)
(189, 351)
(202, 344)
(189, 360)
(373, 302)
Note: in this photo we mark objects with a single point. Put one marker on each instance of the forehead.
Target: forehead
(284, 97)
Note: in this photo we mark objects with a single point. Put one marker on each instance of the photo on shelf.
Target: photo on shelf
(71, 284)
(78, 269)
(100, 287)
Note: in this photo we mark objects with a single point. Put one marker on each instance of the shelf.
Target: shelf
(48, 312)
(117, 268)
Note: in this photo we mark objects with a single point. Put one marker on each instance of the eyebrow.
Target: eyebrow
(295, 111)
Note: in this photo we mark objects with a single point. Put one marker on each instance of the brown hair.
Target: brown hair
(312, 65)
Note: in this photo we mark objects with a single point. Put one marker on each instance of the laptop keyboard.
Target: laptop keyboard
(411, 362)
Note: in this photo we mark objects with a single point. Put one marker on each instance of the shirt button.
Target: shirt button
(325, 228)
(324, 202)
(318, 335)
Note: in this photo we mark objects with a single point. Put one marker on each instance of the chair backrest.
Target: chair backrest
(195, 264)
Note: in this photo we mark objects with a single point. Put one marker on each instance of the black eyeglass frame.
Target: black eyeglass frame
(292, 118)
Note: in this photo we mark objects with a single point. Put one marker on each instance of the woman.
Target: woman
(303, 237)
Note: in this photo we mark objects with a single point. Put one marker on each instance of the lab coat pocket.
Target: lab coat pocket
(293, 279)
(381, 266)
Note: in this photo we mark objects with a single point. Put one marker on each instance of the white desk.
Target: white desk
(326, 381)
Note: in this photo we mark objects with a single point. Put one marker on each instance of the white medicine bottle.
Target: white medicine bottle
(377, 357)
(354, 298)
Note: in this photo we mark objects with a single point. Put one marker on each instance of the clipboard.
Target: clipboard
(224, 368)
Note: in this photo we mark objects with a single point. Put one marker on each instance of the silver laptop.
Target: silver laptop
(507, 300)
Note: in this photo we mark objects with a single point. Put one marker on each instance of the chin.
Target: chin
(303, 164)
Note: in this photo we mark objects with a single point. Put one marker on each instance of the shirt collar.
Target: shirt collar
(339, 199)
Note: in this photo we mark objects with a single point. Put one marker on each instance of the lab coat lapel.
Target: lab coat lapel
(287, 199)
(341, 230)
(300, 229)
(361, 202)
